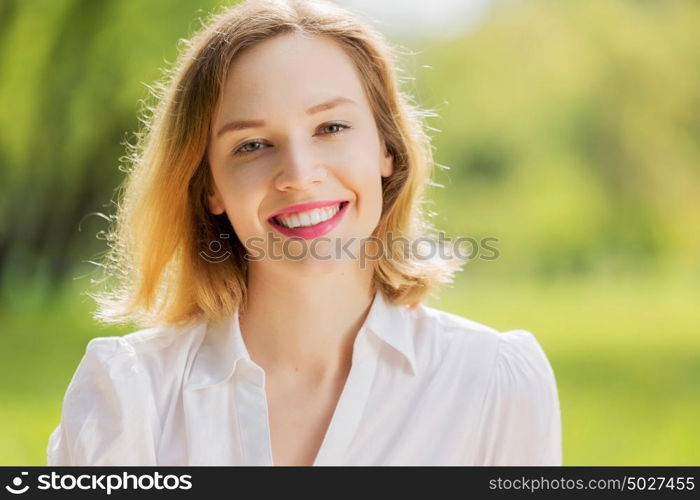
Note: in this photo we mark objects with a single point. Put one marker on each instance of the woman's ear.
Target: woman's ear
(387, 166)
(216, 205)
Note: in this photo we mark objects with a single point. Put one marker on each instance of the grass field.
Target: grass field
(626, 354)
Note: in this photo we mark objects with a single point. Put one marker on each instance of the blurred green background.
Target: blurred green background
(571, 130)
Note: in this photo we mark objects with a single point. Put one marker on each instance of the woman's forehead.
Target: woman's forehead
(291, 69)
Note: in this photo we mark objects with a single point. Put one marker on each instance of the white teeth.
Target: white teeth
(309, 217)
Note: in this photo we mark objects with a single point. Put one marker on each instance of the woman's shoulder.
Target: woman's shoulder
(145, 346)
(519, 419)
(112, 406)
(154, 360)
(147, 361)
(478, 346)
(155, 338)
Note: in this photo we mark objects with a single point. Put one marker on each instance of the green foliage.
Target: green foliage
(571, 131)
(74, 75)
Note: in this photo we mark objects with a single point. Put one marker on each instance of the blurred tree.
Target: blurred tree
(74, 72)
(571, 129)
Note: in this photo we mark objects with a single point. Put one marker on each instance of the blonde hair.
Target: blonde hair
(162, 218)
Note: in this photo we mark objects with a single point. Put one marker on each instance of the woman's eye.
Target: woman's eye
(249, 147)
(336, 127)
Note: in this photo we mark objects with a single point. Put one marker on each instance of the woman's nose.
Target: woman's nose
(299, 168)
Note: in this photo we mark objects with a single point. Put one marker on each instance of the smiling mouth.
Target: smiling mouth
(309, 218)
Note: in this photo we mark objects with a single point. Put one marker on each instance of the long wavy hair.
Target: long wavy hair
(153, 266)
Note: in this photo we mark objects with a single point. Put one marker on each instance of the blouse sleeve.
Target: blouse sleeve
(104, 419)
(521, 421)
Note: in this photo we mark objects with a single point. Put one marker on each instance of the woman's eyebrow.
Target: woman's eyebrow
(331, 103)
(244, 124)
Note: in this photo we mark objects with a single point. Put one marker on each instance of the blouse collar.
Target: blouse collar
(222, 345)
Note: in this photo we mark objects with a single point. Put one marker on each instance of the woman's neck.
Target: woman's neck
(303, 322)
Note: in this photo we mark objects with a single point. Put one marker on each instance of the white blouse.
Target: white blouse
(425, 387)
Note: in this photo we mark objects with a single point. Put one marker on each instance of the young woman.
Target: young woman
(282, 137)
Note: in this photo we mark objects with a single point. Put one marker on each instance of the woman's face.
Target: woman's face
(294, 126)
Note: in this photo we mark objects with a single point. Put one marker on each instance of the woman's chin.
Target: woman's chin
(305, 267)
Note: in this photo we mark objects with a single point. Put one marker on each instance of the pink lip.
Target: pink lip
(301, 207)
(309, 233)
